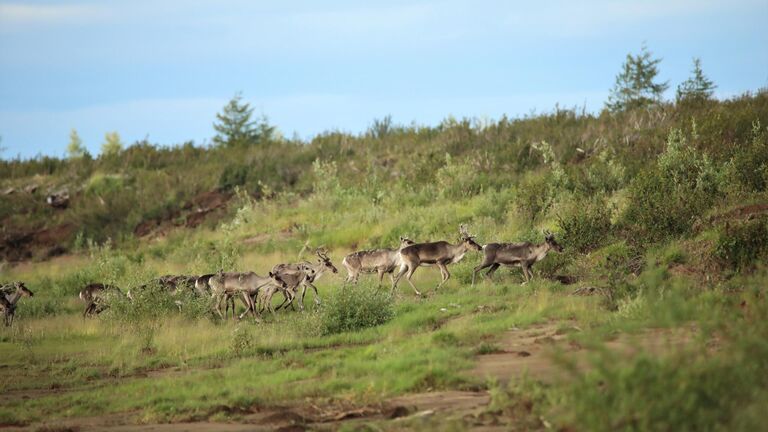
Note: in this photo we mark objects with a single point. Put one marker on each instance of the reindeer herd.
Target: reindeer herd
(256, 292)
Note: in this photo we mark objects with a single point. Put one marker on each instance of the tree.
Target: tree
(112, 144)
(635, 86)
(234, 126)
(75, 147)
(697, 87)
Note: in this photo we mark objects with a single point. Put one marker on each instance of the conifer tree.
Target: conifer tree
(635, 86)
(697, 87)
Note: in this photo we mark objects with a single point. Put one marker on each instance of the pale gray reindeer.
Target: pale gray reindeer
(11, 294)
(439, 253)
(246, 284)
(96, 297)
(522, 255)
(313, 273)
(380, 261)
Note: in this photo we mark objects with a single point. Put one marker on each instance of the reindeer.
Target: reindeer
(380, 261)
(11, 294)
(313, 273)
(523, 255)
(95, 296)
(298, 275)
(248, 284)
(439, 253)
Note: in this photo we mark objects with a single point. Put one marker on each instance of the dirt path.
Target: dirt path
(534, 350)
(530, 351)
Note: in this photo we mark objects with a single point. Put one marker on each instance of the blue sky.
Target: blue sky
(162, 69)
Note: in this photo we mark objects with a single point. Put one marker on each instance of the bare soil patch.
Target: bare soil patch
(534, 351)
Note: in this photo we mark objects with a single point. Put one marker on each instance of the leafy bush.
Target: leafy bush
(740, 246)
(750, 165)
(458, 178)
(105, 184)
(666, 200)
(356, 307)
(233, 175)
(586, 225)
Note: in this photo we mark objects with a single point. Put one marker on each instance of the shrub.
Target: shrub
(585, 226)
(458, 179)
(355, 307)
(233, 175)
(740, 246)
(534, 196)
(750, 165)
(666, 200)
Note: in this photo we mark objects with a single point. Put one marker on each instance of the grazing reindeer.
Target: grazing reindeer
(439, 253)
(233, 283)
(95, 297)
(380, 261)
(313, 273)
(523, 255)
(11, 294)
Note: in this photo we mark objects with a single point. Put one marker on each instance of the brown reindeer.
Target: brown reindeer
(380, 261)
(246, 284)
(96, 297)
(522, 255)
(11, 294)
(439, 253)
(313, 273)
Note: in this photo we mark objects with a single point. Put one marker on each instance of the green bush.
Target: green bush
(459, 178)
(740, 246)
(586, 225)
(750, 165)
(355, 307)
(667, 199)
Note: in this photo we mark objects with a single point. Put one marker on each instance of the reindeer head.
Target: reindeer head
(468, 240)
(278, 280)
(550, 239)
(23, 290)
(405, 241)
(325, 261)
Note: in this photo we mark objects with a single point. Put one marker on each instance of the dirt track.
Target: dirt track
(532, 351)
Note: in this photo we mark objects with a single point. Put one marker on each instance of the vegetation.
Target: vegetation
(661, 208)
(635, 86)
(697, 88)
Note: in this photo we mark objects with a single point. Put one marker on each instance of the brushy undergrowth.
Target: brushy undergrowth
(355, 307)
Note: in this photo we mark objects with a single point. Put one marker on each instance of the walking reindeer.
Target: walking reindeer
(439, 253)
(523, 255)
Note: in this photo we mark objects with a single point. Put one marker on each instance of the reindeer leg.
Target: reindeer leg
(317, 295)
(443, 273)
(492, 270)
(408, 278)
(217, 307)
(478, 268)
(380, 271)
(526, 273)
(403, 270)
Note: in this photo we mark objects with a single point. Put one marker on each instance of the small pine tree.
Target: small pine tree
(234, 126)
(75, 147)
(697, 87)
(112, 144)
(635, 86)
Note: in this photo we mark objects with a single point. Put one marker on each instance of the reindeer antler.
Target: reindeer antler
(322, 252)
(463, 231)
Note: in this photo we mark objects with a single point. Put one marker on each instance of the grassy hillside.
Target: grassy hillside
(663, 214)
